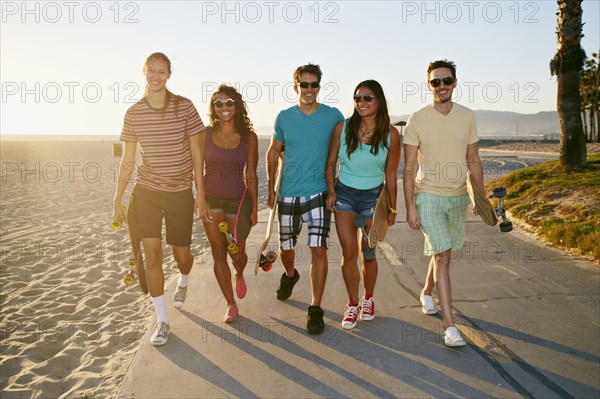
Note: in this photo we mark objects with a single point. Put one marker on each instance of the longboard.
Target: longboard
(380, 224)
(243, 219)
(478, 199)
(270, 256)
(137, 262)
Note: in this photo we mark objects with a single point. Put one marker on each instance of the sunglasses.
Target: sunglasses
(228, 103)
(447, 81)
(305, 85)
(366, 97)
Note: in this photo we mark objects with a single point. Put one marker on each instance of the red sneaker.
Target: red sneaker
(350, 317)
(368, 309)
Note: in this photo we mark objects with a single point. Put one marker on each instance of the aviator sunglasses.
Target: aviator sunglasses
(447, 81)
(228, 103)
(366, 97)
(304, 85)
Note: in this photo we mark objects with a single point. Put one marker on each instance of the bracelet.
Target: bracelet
(392, 210)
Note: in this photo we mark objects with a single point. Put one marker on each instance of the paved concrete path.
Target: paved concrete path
(530, 315)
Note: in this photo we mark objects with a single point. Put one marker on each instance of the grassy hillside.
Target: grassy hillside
(562, 208)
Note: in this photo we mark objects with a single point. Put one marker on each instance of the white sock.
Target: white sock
(160, 308)
(183, 280)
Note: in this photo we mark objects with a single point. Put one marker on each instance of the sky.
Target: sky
(75, 67)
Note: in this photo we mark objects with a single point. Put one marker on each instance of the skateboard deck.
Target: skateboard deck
(136, 247)
(380, 224)
(483, 204)
(243, 219)
(270, 256)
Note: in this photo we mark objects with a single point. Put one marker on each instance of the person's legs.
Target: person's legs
(290, 225)
(178, 209)
(441, 275)
(346, 230)
(218, 245)
(318, 218)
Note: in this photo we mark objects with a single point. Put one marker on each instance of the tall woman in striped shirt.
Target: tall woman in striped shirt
(230, 152)
(167, 128)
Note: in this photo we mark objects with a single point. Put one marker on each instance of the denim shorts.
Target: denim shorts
(352, 199)
(229, 206)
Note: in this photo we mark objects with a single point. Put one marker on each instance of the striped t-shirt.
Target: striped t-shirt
(164, 142)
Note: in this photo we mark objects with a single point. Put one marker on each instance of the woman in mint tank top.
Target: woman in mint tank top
(367, 148)
(229, 149)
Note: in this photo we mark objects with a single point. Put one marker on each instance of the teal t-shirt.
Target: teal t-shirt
(362, 170)
(306, 139)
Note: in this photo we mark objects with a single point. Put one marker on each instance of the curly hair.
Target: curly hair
(241, 121)
(382, 121)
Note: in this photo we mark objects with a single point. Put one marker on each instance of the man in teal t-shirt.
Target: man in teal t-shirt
(305, 129)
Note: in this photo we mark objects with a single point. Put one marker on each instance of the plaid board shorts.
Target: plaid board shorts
(294, 211)
(442, 221)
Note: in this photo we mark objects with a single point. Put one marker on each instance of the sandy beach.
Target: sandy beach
(69, 326)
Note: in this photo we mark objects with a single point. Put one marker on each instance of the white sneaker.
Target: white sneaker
(427, 304)
(453, 338)
(179, 297)
(160, 335)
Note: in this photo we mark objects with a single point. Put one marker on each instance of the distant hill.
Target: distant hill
(505, 123)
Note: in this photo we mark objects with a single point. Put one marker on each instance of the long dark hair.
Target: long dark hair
(382, 121)
(241, 121)
(169, 95)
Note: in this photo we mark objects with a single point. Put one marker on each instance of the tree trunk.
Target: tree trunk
(567, 66)
(594, 126)
(572, 138)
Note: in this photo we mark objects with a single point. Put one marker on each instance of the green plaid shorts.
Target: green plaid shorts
(442, 221)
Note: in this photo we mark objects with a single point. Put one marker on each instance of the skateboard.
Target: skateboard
(243, 224)
(486, 210)
(135, 265)
(265, 260)
(380, 224)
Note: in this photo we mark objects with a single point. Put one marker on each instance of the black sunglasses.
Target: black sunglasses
(305, 85)
(447, 81)
(367, 97)
(228, 103)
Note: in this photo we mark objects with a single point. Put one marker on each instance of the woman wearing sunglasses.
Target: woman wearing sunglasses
(368, 150)
(230, 153)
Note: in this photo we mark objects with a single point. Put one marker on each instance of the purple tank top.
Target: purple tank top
(224, 169)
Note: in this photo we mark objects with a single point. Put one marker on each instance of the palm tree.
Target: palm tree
(567, 65)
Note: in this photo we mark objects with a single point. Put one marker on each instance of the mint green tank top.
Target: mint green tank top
(362, 170)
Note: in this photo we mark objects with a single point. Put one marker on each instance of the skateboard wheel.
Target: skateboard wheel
(116, 226)
(232, 248)
(505, 227)
(223, 227)
(128, 280)
(267, 267)
(131, 262)
(271, 257)
(499, 192)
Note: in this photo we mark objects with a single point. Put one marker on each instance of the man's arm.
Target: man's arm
(410, 172)
(475, 167)
(273, 155)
